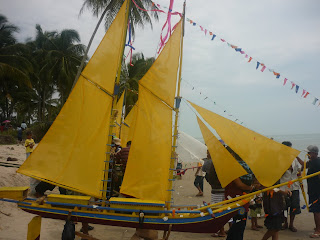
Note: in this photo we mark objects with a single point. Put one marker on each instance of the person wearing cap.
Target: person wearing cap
(313, 166)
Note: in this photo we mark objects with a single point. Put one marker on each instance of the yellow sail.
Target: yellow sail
(147, 171)
(104, 63)
(127, 129)
(267, 159)
(119, 116)
(221, 158)
(72, 153)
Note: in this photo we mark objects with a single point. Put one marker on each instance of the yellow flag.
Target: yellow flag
(267, 159)
(226, 166)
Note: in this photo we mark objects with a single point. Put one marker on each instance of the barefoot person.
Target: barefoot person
(313, 166)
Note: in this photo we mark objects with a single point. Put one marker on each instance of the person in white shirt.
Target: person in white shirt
(292, 202)
(198, 182)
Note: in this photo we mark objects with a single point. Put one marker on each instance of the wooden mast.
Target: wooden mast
(107, 175)
(176, 109)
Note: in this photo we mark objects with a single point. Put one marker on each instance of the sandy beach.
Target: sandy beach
(14, 222)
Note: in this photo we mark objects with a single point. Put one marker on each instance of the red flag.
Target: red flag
(293, 84)
(285, 81)
(250, 59)
(306, 95)
(263, 68)
(303, 92)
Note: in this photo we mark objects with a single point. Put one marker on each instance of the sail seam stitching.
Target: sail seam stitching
(157, 96)
(97, 85)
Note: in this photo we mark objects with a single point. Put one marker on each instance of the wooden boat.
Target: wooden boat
(75, 154)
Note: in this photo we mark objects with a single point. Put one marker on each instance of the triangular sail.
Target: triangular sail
(127, 129)
(104, 63)
(119, 115)
(267, 159)
(226, 166)
(147, 170)
(72, 153)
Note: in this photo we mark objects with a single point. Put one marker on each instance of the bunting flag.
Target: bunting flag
(303, 92)
(315, 101)
(257, 65)
(251, 59)
(305, 96)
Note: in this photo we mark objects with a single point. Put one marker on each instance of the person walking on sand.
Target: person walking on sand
(29, 144)
(313, 166)
(198, 181)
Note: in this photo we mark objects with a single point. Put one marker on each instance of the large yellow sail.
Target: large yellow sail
(72, 153)
(127, 129)
(147, 171)
(221, 158)
(119, 116)
(267, 159)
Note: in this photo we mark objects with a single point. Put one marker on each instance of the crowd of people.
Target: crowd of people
(281, 205)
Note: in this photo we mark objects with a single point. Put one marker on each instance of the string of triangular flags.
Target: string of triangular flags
(259, 65)
(206, 98)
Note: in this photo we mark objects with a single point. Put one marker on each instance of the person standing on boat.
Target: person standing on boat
(217, 192)
(293, 201)
(234, 189)
(198, 181)
(313, 166)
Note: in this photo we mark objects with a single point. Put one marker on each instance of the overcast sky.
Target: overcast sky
(282, 34)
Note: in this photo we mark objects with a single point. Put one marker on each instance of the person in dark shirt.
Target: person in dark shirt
(313, 166)
(274, 205)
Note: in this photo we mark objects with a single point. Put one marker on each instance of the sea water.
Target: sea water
(300, 141)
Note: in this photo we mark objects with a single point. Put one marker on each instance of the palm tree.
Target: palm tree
(130, 76)
(65, 57)
(14, 68)
(112, 7)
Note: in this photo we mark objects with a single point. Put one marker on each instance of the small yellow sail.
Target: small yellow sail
(127, 129)
(119, 116)
(147, 171)
(103, 65)
(72, 153)
(226, 166)
(267, 159)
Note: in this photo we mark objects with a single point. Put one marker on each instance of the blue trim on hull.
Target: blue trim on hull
(110, 217)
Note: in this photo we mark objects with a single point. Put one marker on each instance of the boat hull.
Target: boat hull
(205, 224)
